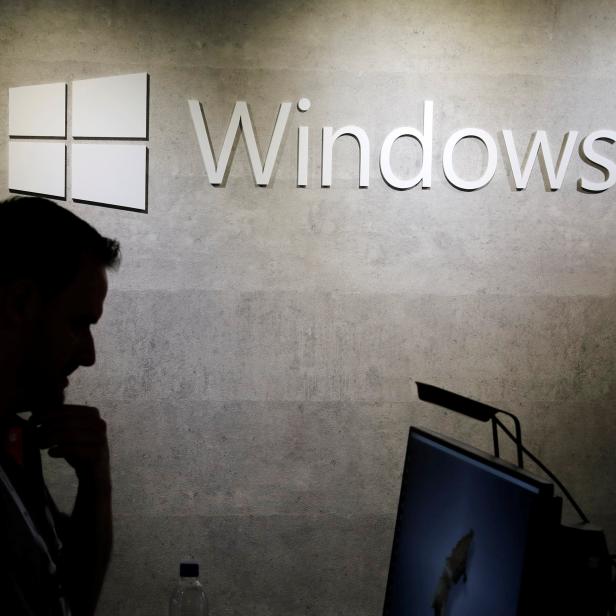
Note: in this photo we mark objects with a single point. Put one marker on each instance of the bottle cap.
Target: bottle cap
(189, 569)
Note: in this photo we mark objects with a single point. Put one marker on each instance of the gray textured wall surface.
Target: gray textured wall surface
(257, 354)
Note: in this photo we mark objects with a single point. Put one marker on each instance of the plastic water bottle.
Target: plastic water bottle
(188, 598)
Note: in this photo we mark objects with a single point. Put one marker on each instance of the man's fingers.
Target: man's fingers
(69, 438)
(73, 432)
(71, 412)
(72, 420)
(78, 434)
(75, 425)
(78, 450)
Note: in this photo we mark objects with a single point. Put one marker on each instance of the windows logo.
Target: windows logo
(103, 109)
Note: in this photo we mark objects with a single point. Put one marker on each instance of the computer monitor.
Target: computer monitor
(472, 534)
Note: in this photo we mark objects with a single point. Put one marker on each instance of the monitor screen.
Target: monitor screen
(464, 532)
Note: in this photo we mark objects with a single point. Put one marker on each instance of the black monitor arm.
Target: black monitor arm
(484, 412)
(476, 410)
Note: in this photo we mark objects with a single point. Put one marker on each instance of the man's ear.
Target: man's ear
(20, 303)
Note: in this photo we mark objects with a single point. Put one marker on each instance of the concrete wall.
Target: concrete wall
(259, 346)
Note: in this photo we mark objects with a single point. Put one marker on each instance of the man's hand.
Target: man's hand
(79, 435)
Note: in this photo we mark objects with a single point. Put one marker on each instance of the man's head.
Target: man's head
(52, 288)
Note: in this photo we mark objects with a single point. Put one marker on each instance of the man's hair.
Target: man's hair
(46, 243)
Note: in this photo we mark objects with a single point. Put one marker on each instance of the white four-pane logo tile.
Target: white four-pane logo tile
(38, 168)
(109, 108)
(38, 111)
(114, 174)
(35, 113)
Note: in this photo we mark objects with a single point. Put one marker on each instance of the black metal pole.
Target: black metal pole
(495, 437)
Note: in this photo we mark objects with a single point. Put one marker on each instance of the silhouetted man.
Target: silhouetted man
(52, 287)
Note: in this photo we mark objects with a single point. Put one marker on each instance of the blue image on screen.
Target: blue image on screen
(461, 536)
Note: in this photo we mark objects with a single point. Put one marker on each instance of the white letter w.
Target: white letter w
(556, 174)
(241, 115)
